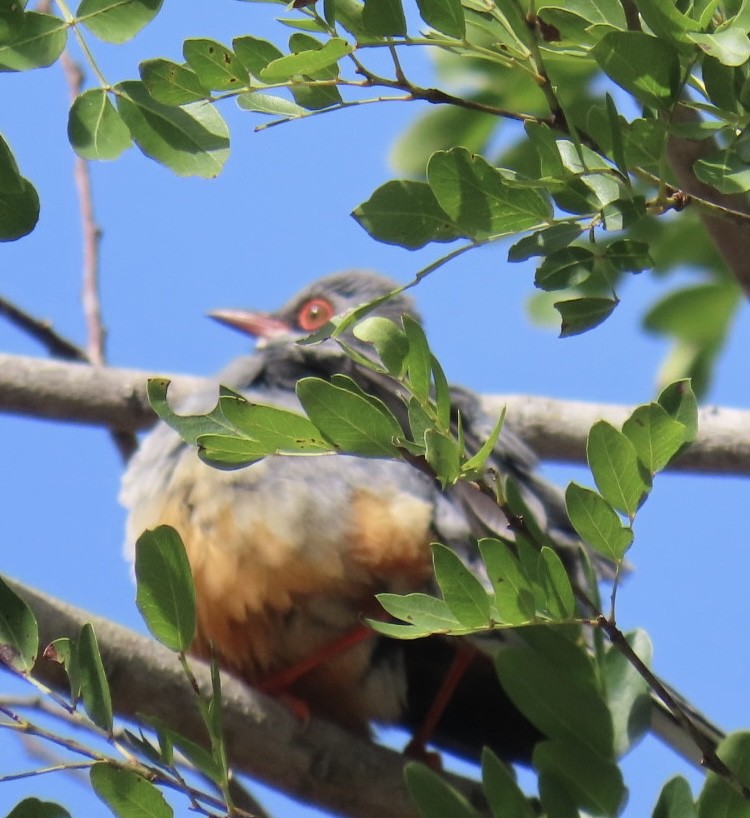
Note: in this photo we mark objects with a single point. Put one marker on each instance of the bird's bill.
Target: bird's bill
(257, 324)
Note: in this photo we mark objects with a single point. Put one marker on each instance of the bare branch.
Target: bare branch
(555, 429)
(730, 236)
(95, 331)
(42, 332)
(318, 763)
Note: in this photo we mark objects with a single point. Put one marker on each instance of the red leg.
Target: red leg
(416, 748)
(279, 683)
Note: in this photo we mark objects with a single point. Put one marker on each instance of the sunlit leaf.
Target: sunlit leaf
(95, 128)
(405, 213)
(191, 140)
(94, 685)
(19, 635)
(582, 314)
(39, 41)
(126, 793)
(613, 461)
(117, 21)
(165, 591)
(641, 64)
(597, 522)
(215, 65)
(464, 594)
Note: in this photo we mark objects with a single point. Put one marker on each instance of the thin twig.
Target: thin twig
(95, 331)
(41, 330)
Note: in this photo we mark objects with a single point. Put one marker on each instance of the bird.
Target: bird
(288, 554)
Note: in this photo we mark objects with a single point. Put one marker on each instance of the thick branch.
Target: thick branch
(730, 236)
(556, 430)
(318, 763)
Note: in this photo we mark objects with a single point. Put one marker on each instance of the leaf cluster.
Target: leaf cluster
(577, 188)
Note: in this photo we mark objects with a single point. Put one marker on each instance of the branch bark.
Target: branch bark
(555, 429)
(318, 763)
(730, 235)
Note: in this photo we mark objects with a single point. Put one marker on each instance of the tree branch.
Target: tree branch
(318, 763)
(730, 236)
(555, 429)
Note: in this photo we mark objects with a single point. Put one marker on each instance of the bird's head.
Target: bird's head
(315, 305)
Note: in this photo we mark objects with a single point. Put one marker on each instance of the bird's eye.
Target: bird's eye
(314, 313)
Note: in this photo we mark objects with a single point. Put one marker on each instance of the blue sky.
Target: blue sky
(277, 218)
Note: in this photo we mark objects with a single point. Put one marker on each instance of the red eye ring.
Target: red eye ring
(314, 313)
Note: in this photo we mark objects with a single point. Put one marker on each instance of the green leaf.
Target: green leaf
(725, 170)
(419, 358)
(34, 808)
(350, 421)
(621, 214)
(277, 430)
(19, 635)
(11, 18)
(560, 602)
(718, 798)
(199, 756)
(594, 12)
(95, 129)
(666, 21)
(656, 436)
(698, 313)
(389, 340)
(545, 241)
(171, 83)
(444, 455)
(166, 594)
(464, 594)
(19, 202)
(446, 16)
(582, 314)
(190, 427)
(215, 65)
(384, 18)
(126, 793)
(553, 682)
(613, 461)
(615, 131)
(594, 781)
(94, 685)
(270, 104)
(628, 256)
(255, 53)
(192, 140)
(38, 42)
(628, 693)
(505, 797)
(679, 401)
(407, 214)
(564, 268)
(675, 800)
(64, 651)
(476, 462)
(117, 21)
(477, 198)
(306, 62)
(730, 46)
(424, 614)
(597, 522)
(514, 597)
(644, 66)
(434, 797)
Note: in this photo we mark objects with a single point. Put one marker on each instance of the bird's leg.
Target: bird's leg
(417, 747)
(277, 684)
